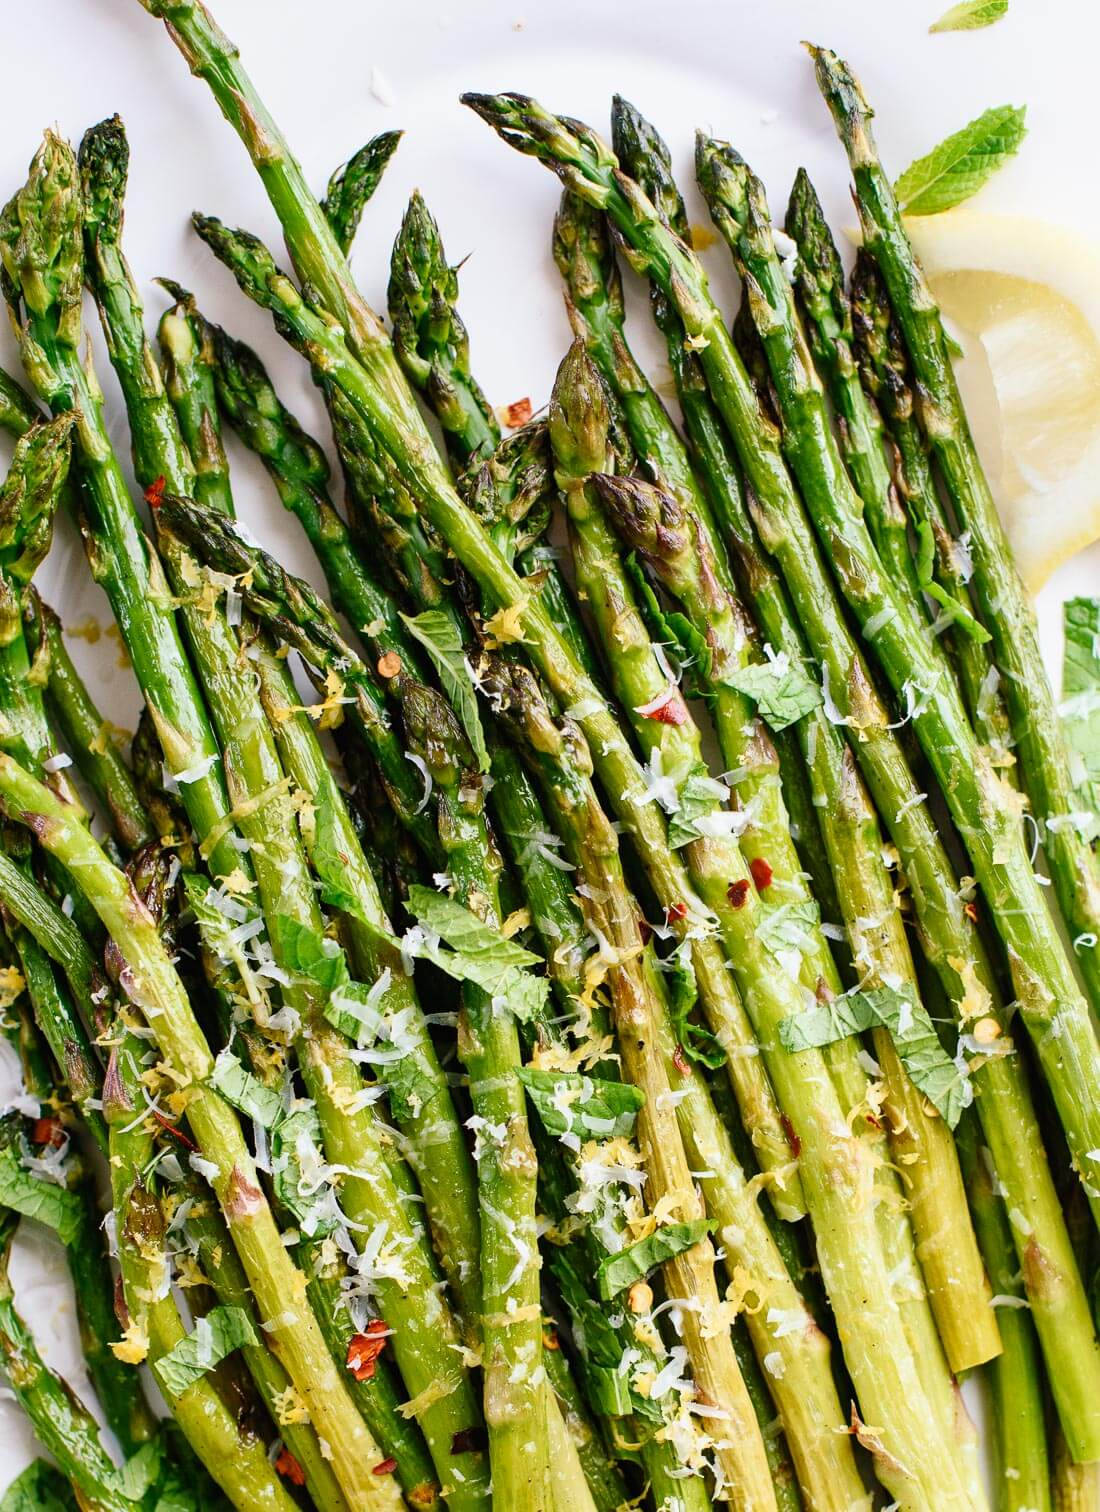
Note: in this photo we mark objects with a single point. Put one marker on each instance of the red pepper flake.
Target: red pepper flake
(287, 1465)
(154, 494)
(671, 710)
(761, 873)
(389, 664)
(173, 1129)
(517, 413)
(738, 892)
(971, 912)
(385, 1467)
(680, 1063)
(364, 1349)
(676, 911)
(48, 1131)
(792, 1138)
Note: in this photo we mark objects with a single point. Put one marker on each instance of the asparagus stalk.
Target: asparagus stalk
(83, 729)
(431, 341)
(188, 357)
(884, 371)
(827, 318)
(738, 1449)
(221, 1267)
(1016, 1376)
(61, 1423)
(431, 345)
(982, 805)
(1006, 611)
(236, 1459)
(426, 1338)
(948, 935)
(353, 184)
(28, 502)
(674, 532)
(800, 1379)
(642, 683)
(507, 1170)
(118, 1388)
(277, 1286)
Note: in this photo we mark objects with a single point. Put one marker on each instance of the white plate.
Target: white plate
(336, 71)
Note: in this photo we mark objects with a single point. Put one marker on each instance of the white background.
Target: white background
(334, 72)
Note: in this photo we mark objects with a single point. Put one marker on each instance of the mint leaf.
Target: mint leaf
(1080, 708)
(927, 1063)
(781, 690)
(619, 1271)
(960, 165)
(308, 954)
(223, 1330)
(570, 1103)
(699, 795)
(969, 15)
(30, 1195)
(296, 1142)
(141, 1470)
(245, 1091)
(439, 636)
(673, 629)
(789, 926)
(40, 1488)
(479, 952)
(695, 1040)
(599, 1346)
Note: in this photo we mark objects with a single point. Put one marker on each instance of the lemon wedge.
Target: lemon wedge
(1023, 300)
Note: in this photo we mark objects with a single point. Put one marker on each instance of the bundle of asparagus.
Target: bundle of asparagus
(505, 1105)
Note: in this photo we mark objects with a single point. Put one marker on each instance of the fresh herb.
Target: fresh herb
(961, 164)
(946, 1086)
(619, 1271)
(970, 15)
(438, 634)
(218, 1334)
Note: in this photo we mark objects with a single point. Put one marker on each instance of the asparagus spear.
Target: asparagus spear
(673, 530)
(188, 357)
(827, 318)
(430, 339)
(1006, 611)
(61, 1422)
(800, 1380)
(278, 1288)
(82, 728)
(643, 686)
(235, 1458)
(253, 264)
(949, 938)
(983, 806)
(425, 1342)
(884, 371)
(1016, 1377)
(28, 501)
(353, 184)
(299, 470)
